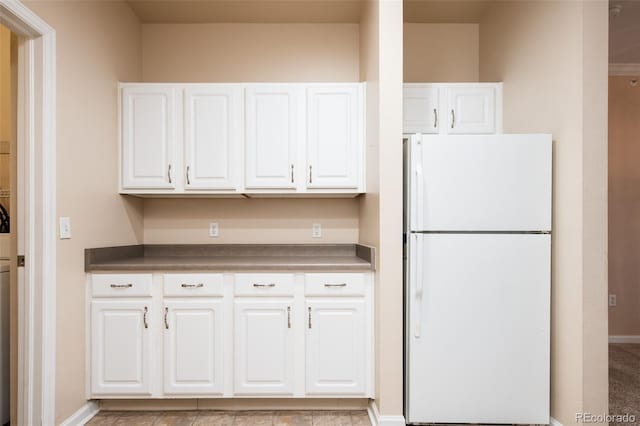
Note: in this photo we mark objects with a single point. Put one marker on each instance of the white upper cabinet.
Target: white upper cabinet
(193, 347)
(334, 124)
(471, 110)
(420, 106)
(242, 138)
(212, 137)
(120, 347)
(148, 137)
(452, 108)
(272, 135)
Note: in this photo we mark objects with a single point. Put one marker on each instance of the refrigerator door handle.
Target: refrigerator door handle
(418, 196)
(417, 280)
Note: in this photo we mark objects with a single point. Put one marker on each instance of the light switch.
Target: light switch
(316, 230)
(213, 230)
(65, 228)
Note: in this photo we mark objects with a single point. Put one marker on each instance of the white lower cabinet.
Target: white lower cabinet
(225, 335)
(263, 347)
(193, 349)
(335, 347)
(120, 347)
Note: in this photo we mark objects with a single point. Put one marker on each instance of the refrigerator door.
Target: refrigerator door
(481, 183)
(479, 328)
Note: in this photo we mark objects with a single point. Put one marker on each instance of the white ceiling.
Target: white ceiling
(624, 33)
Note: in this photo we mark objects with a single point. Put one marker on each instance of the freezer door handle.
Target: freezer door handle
(418, 188)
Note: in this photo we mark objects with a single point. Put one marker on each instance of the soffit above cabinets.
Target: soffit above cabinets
(247, 11)
(444, 11)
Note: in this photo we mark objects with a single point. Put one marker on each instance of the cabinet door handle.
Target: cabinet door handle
(166, 321)
(309, 310)
(453, 118)
(288, 316)
(169, 173)
(435, 118)
(144, 317)
(336, 285)
(185, 285)
(310, 173)
(292, 173)
(264, 285)
(188, 180)
(129, 285)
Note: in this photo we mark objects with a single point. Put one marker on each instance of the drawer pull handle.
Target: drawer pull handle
(144, 317)
(288, 316)
(309, 310)
(263, 285)
(121, 285)
(336, 285)
(199, 285)
(166, 321)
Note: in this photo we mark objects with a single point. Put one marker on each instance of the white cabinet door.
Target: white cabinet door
(272, 133)
(421, 110)
(148, 137)
(263, 347)
(336, 347)
(193, 347)
(333, 136)
(212, 137)
(120, 342)
(471, 110)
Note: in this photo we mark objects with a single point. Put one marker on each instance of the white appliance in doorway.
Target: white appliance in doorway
(477, 278)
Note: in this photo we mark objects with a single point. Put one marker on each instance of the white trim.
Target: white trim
(36, 212)
(624, 69)
(83, 415)
(379, 420)
(554, 422)
(624, 339)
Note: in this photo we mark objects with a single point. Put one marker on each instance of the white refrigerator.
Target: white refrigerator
(477, 278)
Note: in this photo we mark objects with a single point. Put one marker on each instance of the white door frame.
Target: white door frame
(36, 212)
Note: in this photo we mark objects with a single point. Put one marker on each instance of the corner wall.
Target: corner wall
(98, 44)
(624, 193)
(552, 57)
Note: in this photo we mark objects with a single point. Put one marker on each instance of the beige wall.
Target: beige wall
(97, 45)
(441, 52)
(624, 195)
(552, 57)
(250, 52)
(381, 208)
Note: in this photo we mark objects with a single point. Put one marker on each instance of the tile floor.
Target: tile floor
(624, 379)
(231, 418)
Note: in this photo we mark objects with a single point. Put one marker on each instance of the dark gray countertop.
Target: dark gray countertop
(231, 257)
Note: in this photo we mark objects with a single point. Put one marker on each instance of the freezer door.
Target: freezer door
(478, 332)
(481, 183)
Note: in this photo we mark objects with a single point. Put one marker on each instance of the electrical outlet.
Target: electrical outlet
(316, 230)
(612, 300)
(214, 230)
(65, 228)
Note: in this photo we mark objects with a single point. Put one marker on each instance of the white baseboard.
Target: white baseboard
(379, 420)
(624, 339)
(554, 422)
(83, 415)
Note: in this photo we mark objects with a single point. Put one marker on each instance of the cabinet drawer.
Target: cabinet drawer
(264, 284)
(193, 284)
(332, 284)
(121, 285)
